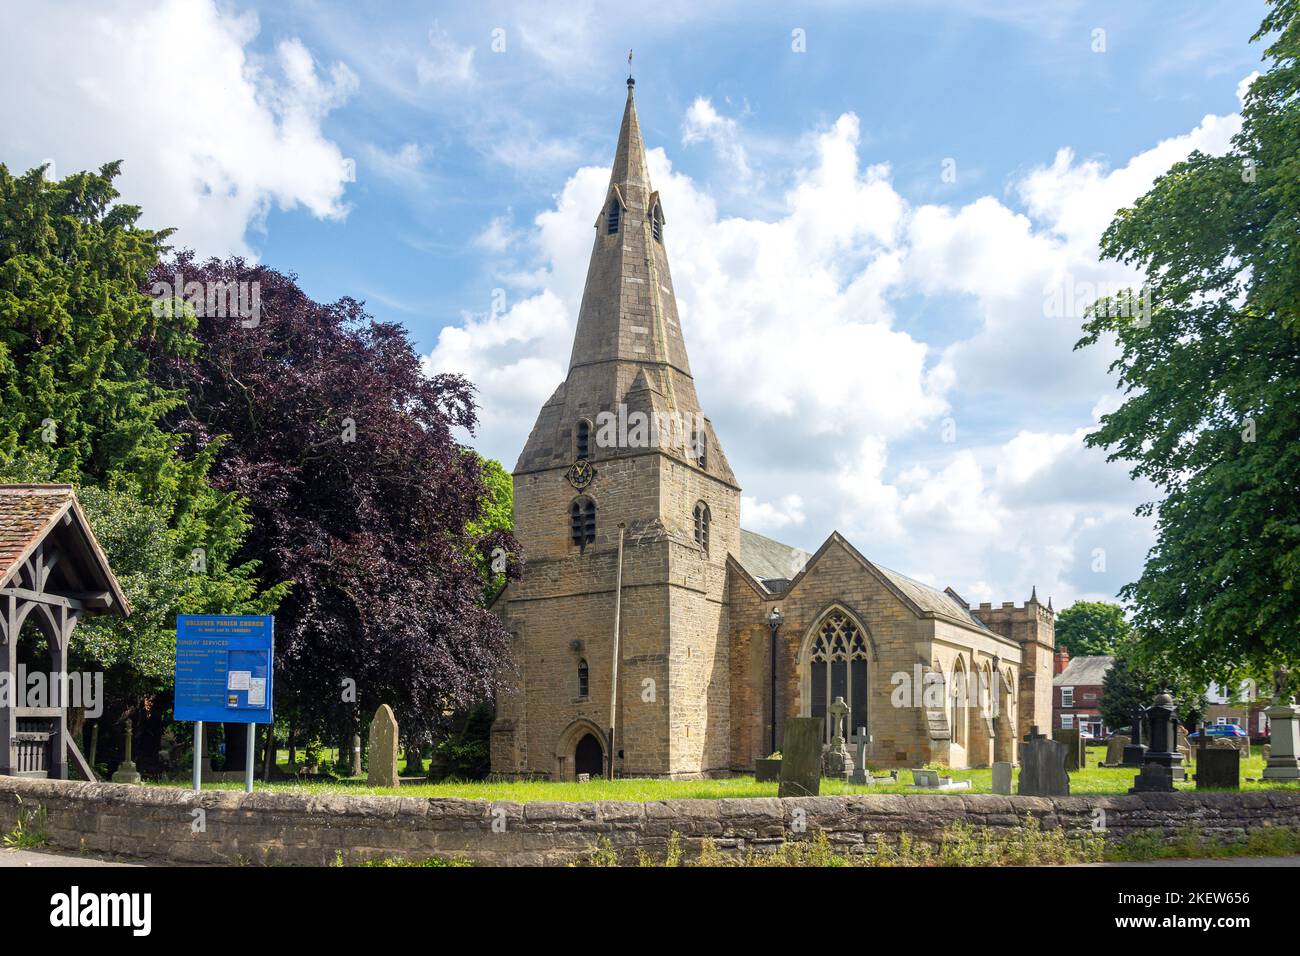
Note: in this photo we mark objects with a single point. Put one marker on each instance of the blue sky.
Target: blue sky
(869, 334)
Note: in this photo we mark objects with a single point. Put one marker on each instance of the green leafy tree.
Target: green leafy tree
(495, 519)
(1128, 686)
(1091, 627)
(1211, 378)
(77, 405)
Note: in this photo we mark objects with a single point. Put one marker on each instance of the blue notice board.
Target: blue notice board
(224, 665)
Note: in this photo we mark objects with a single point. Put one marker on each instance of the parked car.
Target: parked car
(1219, 730)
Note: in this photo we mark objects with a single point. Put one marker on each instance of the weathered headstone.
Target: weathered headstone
(801, 757)
(1218, 768)
(925, 778)
(1002, 777)
(861, 775)
(383, 749)
(1115, 750)
(584, 778)
(1184, 745)
(1284, 750)
(837, 762)
(1042, 767)
(1073, 747)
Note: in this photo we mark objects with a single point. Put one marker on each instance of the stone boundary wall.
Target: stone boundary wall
(300, 829)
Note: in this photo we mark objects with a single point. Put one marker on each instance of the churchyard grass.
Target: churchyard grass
(1092, 781)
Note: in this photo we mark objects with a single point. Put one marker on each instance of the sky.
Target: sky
(882, 219)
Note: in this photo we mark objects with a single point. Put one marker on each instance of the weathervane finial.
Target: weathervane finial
(630, 82)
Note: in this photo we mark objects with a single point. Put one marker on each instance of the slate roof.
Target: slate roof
(25, 513)
(768, 560)
(1084, 671)
(774, 564)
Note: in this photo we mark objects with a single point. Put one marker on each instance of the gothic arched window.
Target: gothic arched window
(582, 521)
(837, 667)
(582, 678)
(582, 446)
(958, 703)
(611, 220)
(702, 525)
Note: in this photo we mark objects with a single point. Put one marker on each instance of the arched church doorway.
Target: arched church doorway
(589, 756)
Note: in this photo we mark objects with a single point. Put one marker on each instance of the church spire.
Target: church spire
(628, 348)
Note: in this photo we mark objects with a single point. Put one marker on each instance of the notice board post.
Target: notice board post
(224, 673)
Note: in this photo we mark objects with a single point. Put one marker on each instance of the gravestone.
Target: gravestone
(801, 757)
(925, 778)
(1115, 750)
(836, 762)
(1153, 778)
(1136, 752)
(1218, 768)
(1002, 777)
(1284, 742)
(383, 749)
(1163, 763)
(1266, 751)
(1042, 767)
(861, 775)
(1074, 747)
(1184, 745)
(584, 778)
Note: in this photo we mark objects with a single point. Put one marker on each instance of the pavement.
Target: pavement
(55, 858)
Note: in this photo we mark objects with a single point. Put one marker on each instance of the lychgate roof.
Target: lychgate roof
(29, 514)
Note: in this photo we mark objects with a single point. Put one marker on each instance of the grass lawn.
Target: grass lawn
(1091, 781)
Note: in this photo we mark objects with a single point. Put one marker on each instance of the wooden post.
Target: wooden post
(613, 682)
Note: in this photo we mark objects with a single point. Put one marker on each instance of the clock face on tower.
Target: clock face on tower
(580, 474)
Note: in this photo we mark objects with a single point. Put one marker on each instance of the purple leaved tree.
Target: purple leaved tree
(359, 493)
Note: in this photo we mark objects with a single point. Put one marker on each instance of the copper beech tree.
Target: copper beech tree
(358, 490)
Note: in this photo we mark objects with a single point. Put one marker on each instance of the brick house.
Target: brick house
(651, 633)
(1245, 709)
(1076, 691)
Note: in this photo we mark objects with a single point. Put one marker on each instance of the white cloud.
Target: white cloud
(499, 234)
(406, 165)
(234, 134)
(703, 123)
(768, 517)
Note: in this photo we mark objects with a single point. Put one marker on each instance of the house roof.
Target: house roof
(774, 565)
(30, 513)
(1084, 670)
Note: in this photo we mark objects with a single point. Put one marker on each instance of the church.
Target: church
(652, 636)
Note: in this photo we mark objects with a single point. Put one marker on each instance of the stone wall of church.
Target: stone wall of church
(674, 712)
(1033, 626)
(699, 719)
(898, 640)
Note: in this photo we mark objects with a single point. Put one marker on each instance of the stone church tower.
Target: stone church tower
(621, 463)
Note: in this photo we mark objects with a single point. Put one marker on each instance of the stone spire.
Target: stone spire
(629, 311)
(628, 349)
